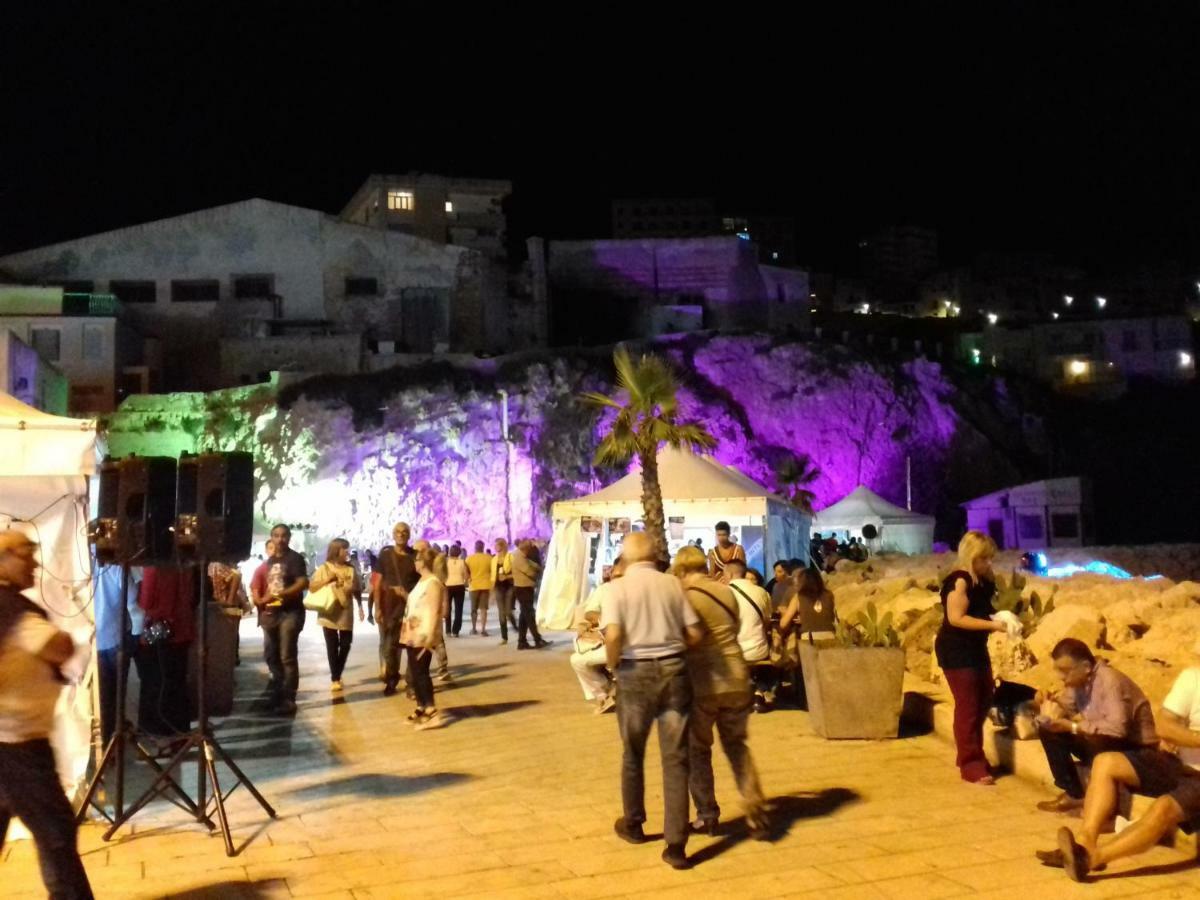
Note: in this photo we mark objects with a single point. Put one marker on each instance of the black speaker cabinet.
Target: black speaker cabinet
(215, 506)
(103, 529)
(146, 510)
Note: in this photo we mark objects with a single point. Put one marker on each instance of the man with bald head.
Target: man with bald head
(31, 652)
(648, 624)
(397, 576)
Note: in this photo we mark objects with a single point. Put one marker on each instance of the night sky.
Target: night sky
(1069, 131)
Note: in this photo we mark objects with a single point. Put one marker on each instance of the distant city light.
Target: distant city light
(956, 309)
(1185, 359)
(1077, 367)
(1068, 299)
(1054, 315)
(775, 254)
(1101, 302)
(744, 235)
(864, 309)
(812, 296)
(975, 356)
(992, 318)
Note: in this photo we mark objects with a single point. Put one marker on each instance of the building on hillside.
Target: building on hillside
(1056, 512)
(82, 338)
(605, 291)
(465, 212)
(235, 291)
(29, 378)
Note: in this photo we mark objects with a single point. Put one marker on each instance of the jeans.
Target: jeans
(731, 715)
(418, 676)
(337, 649)
(528, 621)
(972, 690)
(502, 594)
(389, 648)
(281, 639)
(164, 705)
(1063, 748)
(29, 790)
(454, 614)
(106, 666)
(479, 607)
(649, 691)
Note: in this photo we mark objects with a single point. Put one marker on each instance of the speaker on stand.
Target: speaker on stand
(214, 506)
(135, 506)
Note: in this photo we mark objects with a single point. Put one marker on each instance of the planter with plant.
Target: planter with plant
(855, 684)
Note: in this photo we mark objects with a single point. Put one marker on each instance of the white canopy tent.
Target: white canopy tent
(45, 461)
(900, 530)
(697, 489)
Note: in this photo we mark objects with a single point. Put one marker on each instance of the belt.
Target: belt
(655, 658)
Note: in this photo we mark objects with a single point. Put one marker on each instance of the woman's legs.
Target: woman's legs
(331, 652)
(418, 676)
(972, 689)
(344, 639)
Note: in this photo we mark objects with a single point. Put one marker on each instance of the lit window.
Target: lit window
(1077, 367)
(449, 206)
(1185, 359)
(400, 200)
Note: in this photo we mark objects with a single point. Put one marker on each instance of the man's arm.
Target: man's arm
(614, 642)
(1174, 729)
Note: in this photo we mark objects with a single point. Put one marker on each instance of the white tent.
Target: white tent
(696, 488)
(45, 461)
(900, 530)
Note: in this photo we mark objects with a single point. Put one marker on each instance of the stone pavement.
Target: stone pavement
(516, 798)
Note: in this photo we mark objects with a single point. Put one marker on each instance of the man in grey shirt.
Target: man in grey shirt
(648, 624)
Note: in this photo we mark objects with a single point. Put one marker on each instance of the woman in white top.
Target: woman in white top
(338, 624)
(456, 587)
(420, 632)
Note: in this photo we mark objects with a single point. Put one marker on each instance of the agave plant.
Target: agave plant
(868, 629)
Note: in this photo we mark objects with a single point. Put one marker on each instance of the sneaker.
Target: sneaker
(415, 717)
(609, 704)
(433, 720)
(539, 643)
(336, 686)
(445, 678)
(627, 832)
(286, 708)
(675, 857)
(524, 646)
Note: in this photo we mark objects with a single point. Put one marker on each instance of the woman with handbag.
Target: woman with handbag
(420, 632)
(720, 696)
(337, 581)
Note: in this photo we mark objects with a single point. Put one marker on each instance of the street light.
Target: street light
(1185, 359)
(1054, 315)
(1101, 302)
(1068, 299)
(992, 318)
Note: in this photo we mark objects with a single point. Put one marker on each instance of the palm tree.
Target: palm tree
(644, 422)
(793, 475)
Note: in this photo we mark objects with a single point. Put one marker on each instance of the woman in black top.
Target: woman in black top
(962, 652)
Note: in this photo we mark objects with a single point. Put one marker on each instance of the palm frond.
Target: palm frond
(597, 399)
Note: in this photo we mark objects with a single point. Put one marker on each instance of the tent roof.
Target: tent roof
(33, 442)
(684, 477)
(863, 504)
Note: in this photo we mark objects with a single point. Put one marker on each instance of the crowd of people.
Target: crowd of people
(696, 646)
(1099, 723)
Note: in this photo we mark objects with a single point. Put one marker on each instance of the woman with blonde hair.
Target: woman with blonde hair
(420, 632)
(962, 651)
(338, 624)
(721, 696)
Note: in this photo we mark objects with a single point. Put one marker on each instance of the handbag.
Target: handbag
(1008, 698)
(324, 600)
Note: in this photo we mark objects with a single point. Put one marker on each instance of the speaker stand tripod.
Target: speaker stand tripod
(201, 738)
(112, 761)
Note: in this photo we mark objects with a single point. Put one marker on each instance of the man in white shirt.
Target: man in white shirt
(1171, 777)
(648, 624)
(31, 652)
(590, 660)
(754, 616)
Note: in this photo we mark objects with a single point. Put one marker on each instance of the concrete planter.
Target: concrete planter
(853, 692)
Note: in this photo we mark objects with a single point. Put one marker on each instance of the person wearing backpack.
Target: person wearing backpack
(720, 697)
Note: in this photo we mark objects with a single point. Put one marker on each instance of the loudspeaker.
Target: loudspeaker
(102, 531)
(146, 510)
(215, 506)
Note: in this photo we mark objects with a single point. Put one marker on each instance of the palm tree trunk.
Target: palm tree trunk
(652, 504)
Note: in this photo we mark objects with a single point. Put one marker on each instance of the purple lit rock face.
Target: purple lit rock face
(436, 458)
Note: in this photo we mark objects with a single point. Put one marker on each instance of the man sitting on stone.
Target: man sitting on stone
(1171, 777)
(590, 660)
(1099, 710)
